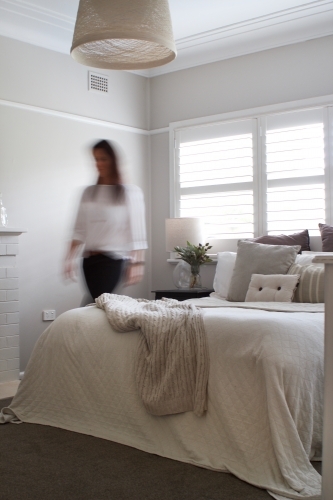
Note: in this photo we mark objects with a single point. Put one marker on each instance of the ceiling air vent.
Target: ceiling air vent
(98, 83)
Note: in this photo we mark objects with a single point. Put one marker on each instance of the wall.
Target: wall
(270, 77)
(48, 120)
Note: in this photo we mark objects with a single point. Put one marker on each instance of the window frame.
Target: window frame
(259, 154)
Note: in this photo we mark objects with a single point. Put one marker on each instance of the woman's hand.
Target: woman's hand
(134, 273)
(70, 267)
(135, 268)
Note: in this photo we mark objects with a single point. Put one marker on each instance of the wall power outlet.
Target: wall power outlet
(49, 315)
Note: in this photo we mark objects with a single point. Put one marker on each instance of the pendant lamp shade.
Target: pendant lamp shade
(123, 34)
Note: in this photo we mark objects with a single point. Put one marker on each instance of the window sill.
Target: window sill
(176, 261)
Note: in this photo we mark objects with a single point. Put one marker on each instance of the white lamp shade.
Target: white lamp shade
(123, 34)
(179, 231)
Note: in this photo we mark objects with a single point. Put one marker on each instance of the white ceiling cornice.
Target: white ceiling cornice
(40, 26)
(44, 27)
(281, 28)
(38, 13)
(22, 6)
(258, 23)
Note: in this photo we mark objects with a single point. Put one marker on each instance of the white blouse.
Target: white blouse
(108, 225)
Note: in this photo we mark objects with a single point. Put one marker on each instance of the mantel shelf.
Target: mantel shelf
(12, 230)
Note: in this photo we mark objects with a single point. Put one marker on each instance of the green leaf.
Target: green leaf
(195, 255)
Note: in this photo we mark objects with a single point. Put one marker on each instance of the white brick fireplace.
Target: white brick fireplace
(9, 304)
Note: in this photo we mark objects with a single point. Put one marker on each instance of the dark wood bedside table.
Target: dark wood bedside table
(183, 293)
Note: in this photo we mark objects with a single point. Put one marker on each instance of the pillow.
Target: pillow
(272, 287)
(257, 258)
(311, 283)
(326, 233)
(304, 258)
(224, 269)
(226, 263)
(307, 258)
(301, 238)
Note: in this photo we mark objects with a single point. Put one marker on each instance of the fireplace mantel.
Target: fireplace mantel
(11, 230)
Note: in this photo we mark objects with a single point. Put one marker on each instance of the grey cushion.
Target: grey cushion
(311, 284)
(302, 238)
(326, 233)
(257, 258)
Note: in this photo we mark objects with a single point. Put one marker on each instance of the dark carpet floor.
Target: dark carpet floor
(38, 462)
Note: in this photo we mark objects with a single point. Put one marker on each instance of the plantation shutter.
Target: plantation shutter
(295, 169)
(214, 177)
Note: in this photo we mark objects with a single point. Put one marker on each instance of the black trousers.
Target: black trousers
(102, 274)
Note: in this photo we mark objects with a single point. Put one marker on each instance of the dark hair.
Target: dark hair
(115, 170)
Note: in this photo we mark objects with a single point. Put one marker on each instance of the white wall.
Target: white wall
(45, 78)
(48, 120)
(270, 77)
(273, 76)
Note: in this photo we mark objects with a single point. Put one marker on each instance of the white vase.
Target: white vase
(3, 214)
(182, 275)
(185, 276)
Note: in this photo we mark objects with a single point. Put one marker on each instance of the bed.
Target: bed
(263, 418)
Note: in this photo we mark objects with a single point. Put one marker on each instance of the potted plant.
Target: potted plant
(194, 256)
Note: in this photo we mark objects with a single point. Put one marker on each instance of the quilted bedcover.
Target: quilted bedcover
(265, 389)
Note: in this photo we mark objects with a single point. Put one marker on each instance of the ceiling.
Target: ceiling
(204, 30)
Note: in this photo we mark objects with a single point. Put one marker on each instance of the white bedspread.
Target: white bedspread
(264, 417)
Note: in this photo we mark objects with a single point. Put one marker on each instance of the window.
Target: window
(215, 177)
(295, 169)
(265, 175)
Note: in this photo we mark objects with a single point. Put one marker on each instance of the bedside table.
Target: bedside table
(183, 293)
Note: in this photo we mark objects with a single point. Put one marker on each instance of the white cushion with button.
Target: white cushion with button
(272, 288)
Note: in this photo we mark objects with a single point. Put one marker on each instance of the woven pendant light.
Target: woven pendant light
(123, 34)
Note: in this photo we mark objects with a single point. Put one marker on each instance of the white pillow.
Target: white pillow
(224, 269)
(272, 287)
(306, 258)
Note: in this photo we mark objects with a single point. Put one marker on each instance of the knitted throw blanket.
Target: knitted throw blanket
(172, 362)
